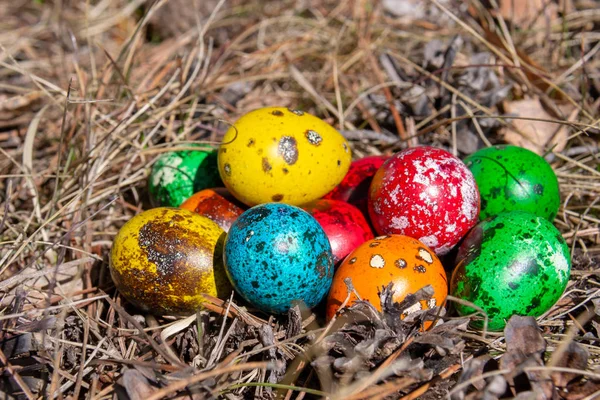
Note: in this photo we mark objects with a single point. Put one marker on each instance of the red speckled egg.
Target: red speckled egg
(345, 226)
(354, 188)
(216, 204)
(425, 193)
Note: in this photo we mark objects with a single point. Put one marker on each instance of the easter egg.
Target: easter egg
(354, 188)
(401, 260)
(276, 154)
(177, 175)
(515, 263)
(217, 205)
(164, 259)
(425, 193)
(276, 255)
(345, 226)
(513, 178)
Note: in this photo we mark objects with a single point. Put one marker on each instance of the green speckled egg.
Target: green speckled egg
(177, 175)
(513, 178)
(515, 263)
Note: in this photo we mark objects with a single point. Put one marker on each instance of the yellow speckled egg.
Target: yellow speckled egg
(164, 259)
(276, 154)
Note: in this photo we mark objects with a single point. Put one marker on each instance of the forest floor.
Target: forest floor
(92, 92)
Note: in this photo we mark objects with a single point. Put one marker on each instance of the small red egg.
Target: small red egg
(216, 204)
(354, 188)
(425, 193)
(345, 226)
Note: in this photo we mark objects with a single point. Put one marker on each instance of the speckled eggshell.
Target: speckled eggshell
(277, 154)
(177, 175)
(397, 259)
(344, 225)
(163, 260)
(425, 193)
(515, 263)
(513, 178)
(354, 188)
(217, 205)
(276, 254)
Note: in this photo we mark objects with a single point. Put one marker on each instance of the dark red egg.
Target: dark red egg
(354, 188)
(425, 193)
(216, 204)
(345, 226)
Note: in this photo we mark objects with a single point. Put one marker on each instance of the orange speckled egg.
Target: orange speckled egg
(406, 262)
(216, 204)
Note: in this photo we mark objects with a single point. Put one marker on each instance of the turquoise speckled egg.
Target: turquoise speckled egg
(516, 263)
(276, 254)
(177, 175)
(513, 178)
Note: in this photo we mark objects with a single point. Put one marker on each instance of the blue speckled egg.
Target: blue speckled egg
(277, 254)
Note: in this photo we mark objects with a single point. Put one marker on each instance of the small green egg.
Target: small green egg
(513, 178)
(177, 175)
(515, 263)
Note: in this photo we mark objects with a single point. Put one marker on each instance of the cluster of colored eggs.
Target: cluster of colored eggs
(311, 209)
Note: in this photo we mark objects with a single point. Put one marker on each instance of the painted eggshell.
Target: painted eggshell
(177, 175)
(513, 178)
(354, 188)
(425, 193)
(216, 204)
(163, 260)
(277, 254)
(515, 263)
(401, 260)
(344, 225)
(276, 154)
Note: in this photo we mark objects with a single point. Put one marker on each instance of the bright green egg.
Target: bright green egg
(177, 175)
(513, 178)
(515, 263)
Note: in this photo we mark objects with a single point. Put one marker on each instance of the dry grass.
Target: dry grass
(92, 92)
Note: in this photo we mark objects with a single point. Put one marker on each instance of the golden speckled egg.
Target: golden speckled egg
(163, 260)
(276, 154)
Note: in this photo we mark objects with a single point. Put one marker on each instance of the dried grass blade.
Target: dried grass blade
(306, 85)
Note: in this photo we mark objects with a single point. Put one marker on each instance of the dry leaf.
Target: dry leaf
(523, 335)
(575, 357)
(537, 135)
(524, 13)
(136, 385)
(473, 369)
